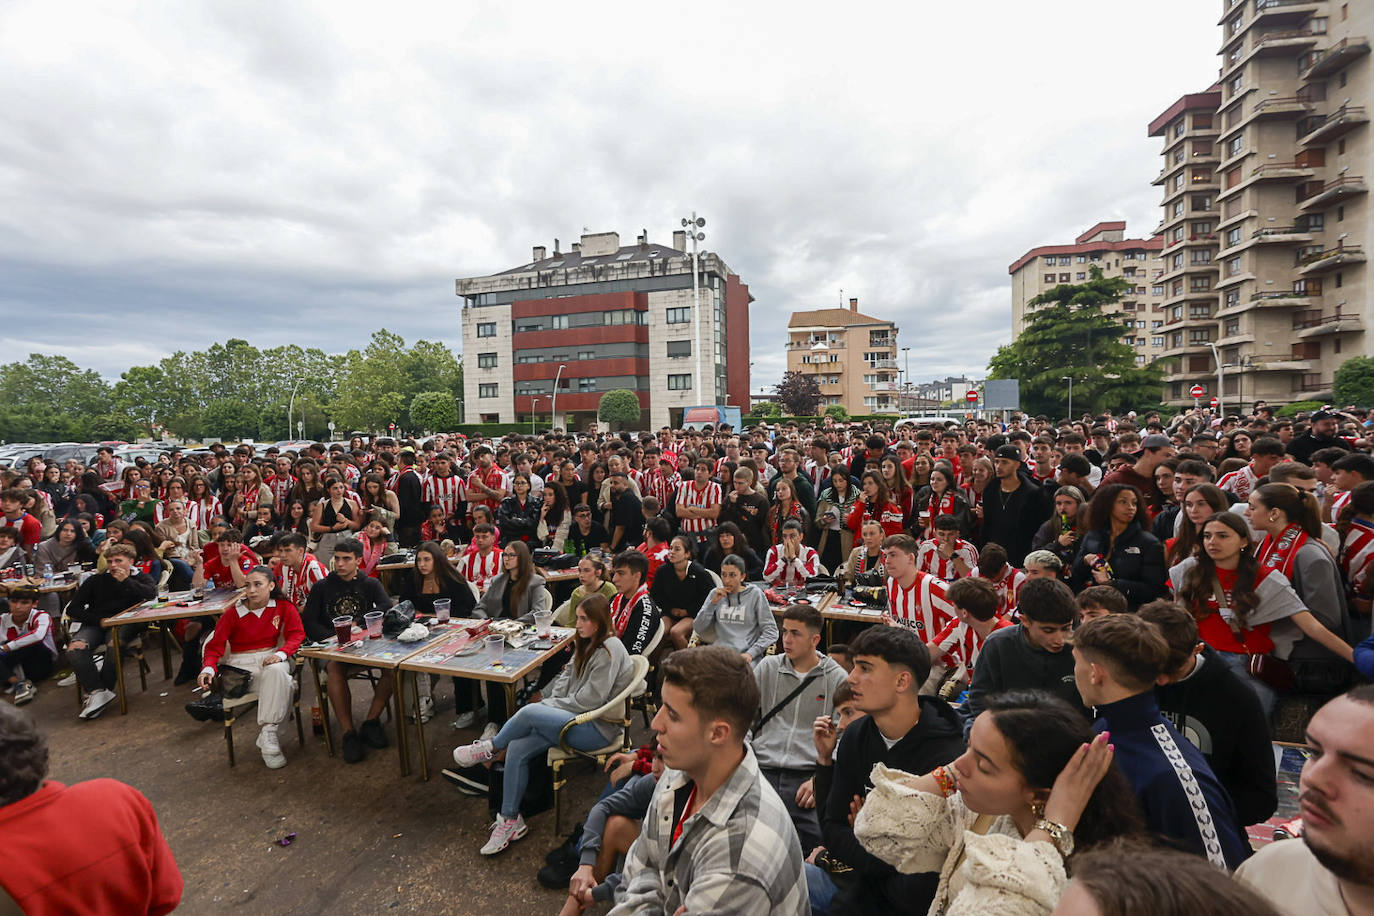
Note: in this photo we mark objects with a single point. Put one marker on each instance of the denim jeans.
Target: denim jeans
(530, 732)
(1240, 664)
(820, 888)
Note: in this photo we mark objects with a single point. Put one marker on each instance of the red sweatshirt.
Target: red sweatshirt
(276, 626)
(120, 864)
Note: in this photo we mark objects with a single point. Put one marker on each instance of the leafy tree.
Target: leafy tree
(619, 408)
(230, 419)
(434, 411)
(838, 412)
(765, 409)
(1067, 334)
(1355, 382)
(1297, 407)
(798, 394)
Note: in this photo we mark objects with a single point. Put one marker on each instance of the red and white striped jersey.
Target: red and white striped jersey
(1338, 502)
(445, 492)
(922, 606)
(1357, 558)
(1008, 585)
(1240, 482)
(688, 494)
(493, 479)
(296, 584)
(961, 644)
(281, 491)
(653, 483)
(794, 572)
(109, 471)
(928, 559)
(198, 514)
(479, 569)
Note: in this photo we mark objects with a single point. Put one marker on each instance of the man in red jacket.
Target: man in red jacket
(121, 864)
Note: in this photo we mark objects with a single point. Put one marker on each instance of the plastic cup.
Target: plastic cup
(74, 571)
(441, 609)
(373, 620)
(496, 647)
(543, 620)
(343, 630)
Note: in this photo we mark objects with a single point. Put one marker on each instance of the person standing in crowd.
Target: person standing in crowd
(1321, 433)
(1013, 506)
(627, 514)
(1117, 549)
(748, 508)
(410, 497)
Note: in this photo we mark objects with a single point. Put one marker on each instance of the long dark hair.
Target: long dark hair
(1197, 586)
(85, 550)
(444, 573)
(1043, 732)
(884, 494)
(1100, 508)
(734, 531)
(1299, 506)
(557, 499)
(1186, 544)
(598, 611)
(524, 572)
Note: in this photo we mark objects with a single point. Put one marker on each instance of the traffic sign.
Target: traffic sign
(391, 426)
(1215, 402)
(1197, 391)
(972, 396)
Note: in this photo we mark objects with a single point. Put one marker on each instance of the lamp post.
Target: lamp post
(692, 224)
(1069, 379)
(1221, 379)
(553, 404)
(291, 406)
(906, 352)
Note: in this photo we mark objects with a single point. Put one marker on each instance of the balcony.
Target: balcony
(1281, 171)
(1281, 234)
(1321, 325)
(883, 364)
(1311, 383)
(1330, 259)
(1284, 107)
(1319, 129)
(1274, 11)
(1283, 41)
(1335, 191)
(1335, 57)
(815, 345)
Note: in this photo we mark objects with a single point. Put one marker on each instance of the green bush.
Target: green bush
(619, 408)
(1297, 407)
(838, 412)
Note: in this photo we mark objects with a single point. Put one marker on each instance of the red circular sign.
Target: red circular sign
(391, 426)
(1197, 391)
(1215, 402)
(971, 397)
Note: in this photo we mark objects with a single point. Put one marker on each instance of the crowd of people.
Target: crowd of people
(1088, 632)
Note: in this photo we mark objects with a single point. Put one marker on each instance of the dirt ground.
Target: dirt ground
(367, 839)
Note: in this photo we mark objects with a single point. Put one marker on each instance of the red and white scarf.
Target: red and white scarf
(1357, 556)
(622, 606)
(1282, 552)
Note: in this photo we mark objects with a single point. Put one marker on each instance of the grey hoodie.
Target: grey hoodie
(785, 742)
(743, 621)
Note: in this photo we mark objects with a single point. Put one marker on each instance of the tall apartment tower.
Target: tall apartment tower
(1292, 135)
(852, 356)
(558, 332)
(1105, 246)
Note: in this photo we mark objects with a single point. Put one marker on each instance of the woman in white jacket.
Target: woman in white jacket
(998, 822)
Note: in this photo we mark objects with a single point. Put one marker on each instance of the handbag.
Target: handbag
(233, 682)
(397, 619)
(1265, 668)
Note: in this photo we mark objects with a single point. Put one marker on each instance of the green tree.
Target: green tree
(838, 412)
(619, 408)
(371, 387)
(1067, 334)
(230, 419)
(1354, 382)
(765, 409)
(798, 394)
(433, 411)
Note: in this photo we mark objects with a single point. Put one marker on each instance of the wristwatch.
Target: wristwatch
(1062, 836)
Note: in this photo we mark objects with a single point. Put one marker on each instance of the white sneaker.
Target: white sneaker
(465, 720)
(271, 749)
(426, 709)
(24, 692)
(490, 731)
(504, 833)
(68, 681)
(469, 755)
(96, 703)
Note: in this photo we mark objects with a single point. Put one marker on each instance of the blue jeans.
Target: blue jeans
(531, 732)
(820, 889)
(1240, 664)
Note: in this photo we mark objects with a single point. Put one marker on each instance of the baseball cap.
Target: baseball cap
(1156, 440)
(1008, 451)
(1322, 415)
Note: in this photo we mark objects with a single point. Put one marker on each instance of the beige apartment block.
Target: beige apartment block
(1106, 246)
(852, 356)
(1291, 130)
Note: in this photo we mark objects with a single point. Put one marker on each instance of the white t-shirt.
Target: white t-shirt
(1287, 874)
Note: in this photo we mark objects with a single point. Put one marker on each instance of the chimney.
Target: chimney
(576, 247)
(538, 253)
(680, 240)
(854, 305)
(556, 252)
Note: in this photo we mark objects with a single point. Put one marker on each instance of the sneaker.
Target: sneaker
(490, 731)
(568, 848)
(426, 710)
(68, 681)
(472, 781)
(24, 692)
(556, 876)
(465, 720)
(503, 833)
(353, 748)
(373, 734)
(467, 755)
(96, 703)
(271, 749)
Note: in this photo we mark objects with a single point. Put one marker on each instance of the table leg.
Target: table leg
(167, 650)
(323, 699)
(423, 749)
(402, 745)
(510, 700)
(119, 669)
(829, 633)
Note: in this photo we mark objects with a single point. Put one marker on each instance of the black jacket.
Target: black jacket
(1014, 523)
(333, 597)
(409, 493)
(102, 595)
(668, 591)
(753, 523)
(1223, 718)
(1137, 562)
(578, 544)
(517, 522)
(934, 741)
(1009, 661)
(461, 599)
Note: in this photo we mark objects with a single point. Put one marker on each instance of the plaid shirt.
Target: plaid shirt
(739, 854)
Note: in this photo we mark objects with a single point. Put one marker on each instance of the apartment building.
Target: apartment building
(852, 356)
(1294, 155)
(1189, 129)
(1106, 246)
(548, 338)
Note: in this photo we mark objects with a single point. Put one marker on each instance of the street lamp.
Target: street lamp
(1221, 379)
(1069, 379)
(291, 405)
(553, 405)
(534, 410)
(692, 224)
(906, 351)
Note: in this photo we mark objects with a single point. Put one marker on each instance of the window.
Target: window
(1202, 202)
(1232, 327)
(682, 382)
(488, 390)
(1232, 298)
(679, 348)
(1140, 324)
(1156, 341)
(1049, 278)
(586, 354)
(1233, 267)
(1156, 324)
(1064, 278)
(1082, 276)
(586, 384)
(1314, 222)
(1157, 289)
(1178, 208)
(622, 316)
(486, 329)
(1082, 259)
(486, 360)
(1051, 260)
(1232, 237)
(1236, 146)
(1202, 257)
(679, 315)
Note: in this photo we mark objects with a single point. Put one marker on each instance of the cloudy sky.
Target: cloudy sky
(173, 174)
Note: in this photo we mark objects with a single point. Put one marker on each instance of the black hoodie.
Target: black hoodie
(936, 740)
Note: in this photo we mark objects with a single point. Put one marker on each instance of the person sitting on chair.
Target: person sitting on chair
(791, 563)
